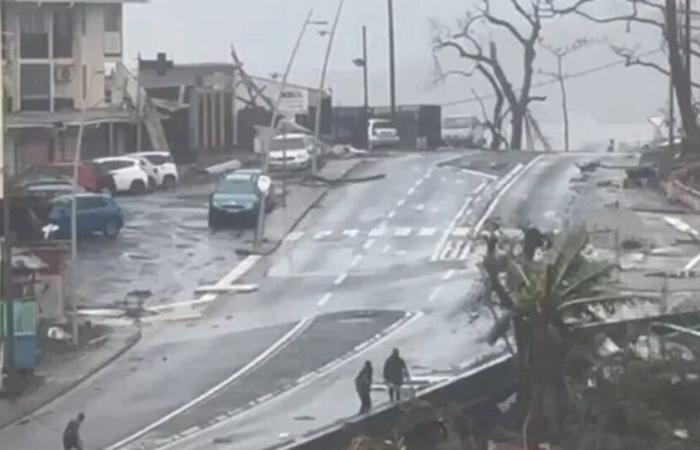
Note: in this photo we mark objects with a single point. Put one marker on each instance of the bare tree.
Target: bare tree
(662, 15)
(560, 53)
(526, 31)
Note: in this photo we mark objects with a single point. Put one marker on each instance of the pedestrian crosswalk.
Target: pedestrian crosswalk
(354, 233)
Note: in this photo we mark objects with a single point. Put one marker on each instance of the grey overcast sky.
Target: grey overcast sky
(614, 103)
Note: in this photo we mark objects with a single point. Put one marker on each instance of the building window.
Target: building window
(113, 18)
(63, 33)
(34, 37)
(35, 87)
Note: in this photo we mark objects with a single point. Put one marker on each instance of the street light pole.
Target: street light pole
(364, 67)
(322, 86)
(268, 135)
(392, 67)
(688, 55)
(74, 229)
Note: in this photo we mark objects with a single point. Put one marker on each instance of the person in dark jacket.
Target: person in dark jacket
(363, 384)
(71, 435)
(395, 373)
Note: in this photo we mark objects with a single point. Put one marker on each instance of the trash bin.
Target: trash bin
(25, 324)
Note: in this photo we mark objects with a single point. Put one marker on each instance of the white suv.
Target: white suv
(126, 174)
(294, 151)
(164, 169)
(382, 133)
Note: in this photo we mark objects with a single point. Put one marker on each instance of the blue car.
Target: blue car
(96, 213)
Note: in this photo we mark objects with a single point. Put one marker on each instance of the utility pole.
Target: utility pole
(322, 86)
(8, 311)
(74, 229)
(268, 134)
(392, 66)
(364, 67)
(688, 54)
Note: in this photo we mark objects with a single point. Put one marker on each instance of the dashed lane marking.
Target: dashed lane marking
(402, 232)
(434, 294)
(480, 174)
(356, 260)
(391, 214)
(411, 190)
(326, 297)
(377, 232)
(427, 232)
(351, 233)
(368, 244)
(420, 207)
(449, 274)
(386, 249)
(338, 281)
(401, 202)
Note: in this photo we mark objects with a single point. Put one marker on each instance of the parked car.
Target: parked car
(463, 131)
(236, 200)
(51, 189)
(382, 133)
(88, 175)
(165, 170)
(95, 213)
(126, 174)
(294, 151)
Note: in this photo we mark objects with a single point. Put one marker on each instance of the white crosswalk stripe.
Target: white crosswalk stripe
(402, 232)
(294, 236)
(377, 232)
(427, 232)
(461, 232)
(323, 234)
(351, 233)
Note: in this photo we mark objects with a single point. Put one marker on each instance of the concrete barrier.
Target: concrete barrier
(492, 381)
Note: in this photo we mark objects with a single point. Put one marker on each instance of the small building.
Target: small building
(214, 107)
(58, 59)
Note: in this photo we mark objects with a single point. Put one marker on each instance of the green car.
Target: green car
(236, 201)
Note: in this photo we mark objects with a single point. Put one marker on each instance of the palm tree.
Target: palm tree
(538, 297)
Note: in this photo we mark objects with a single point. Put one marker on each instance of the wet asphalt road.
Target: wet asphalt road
(367, 247)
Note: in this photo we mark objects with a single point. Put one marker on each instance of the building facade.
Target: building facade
(57, 60)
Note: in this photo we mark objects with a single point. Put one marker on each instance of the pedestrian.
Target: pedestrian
(395, 373)
(71, 435)
(611, 146)
(363, 384)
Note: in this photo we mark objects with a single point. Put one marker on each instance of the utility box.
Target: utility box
(25, 325)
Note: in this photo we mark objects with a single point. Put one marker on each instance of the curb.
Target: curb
(130, 342)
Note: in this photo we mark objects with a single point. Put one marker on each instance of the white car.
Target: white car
(164, 169)
(127, 174)
(382, 133)
(293, 151)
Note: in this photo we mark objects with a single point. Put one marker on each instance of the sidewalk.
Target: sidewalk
(59, 372)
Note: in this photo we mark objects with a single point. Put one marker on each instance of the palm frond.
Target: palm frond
(567, 248)
(586, 275)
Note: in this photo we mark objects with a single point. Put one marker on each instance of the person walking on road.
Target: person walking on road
(395, 373)
(71, 435)
(363, 384)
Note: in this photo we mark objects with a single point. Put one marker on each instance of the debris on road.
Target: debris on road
(230, 289)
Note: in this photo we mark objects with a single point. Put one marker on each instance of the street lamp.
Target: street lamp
(322, 85)
(362, 62)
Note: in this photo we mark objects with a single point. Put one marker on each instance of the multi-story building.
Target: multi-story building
(58, 58)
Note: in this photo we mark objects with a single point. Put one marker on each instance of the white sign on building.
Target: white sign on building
(294, 101)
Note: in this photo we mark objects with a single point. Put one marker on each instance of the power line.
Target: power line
(551, 82)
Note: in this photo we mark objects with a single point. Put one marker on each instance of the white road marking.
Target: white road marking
(294, 236)
(512, 177)
(449, 274)
(368, 244)
(326, 297)
(459, 181)
(273, 349)
(322, 234)
(386, 248)
(338, 281)
(314, 376)
(391, 215)
(377, 232)
(692, 263)
(480, 188)
(443, 178)
(427, 232)
(418, 182)
(356, 260)
(401, 202)
(479, 174)
(434, 294)
(420, 207)
(403, 232)
(411, 191)
(351, 233)
(461, 231)
(441, 243)
(465, 251)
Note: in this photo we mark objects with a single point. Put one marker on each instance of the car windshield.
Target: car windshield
(384, 126)
(243, 186)
(457, 122)
(288, 144)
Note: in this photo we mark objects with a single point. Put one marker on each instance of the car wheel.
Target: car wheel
(138, 187)
(169, 182)
(111, 229)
